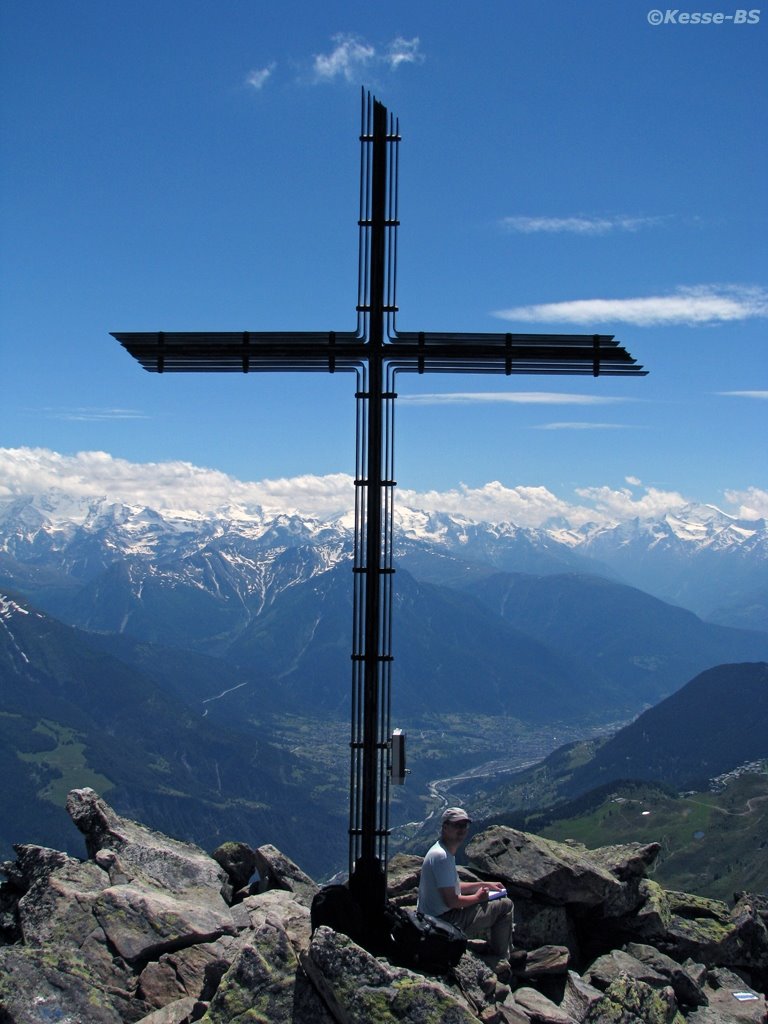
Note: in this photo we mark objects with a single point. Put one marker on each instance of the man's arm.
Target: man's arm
(471, 894)
(470, 887)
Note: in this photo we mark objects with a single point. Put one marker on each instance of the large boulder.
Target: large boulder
(730, 1001)
(279, 872)
(144, 855)
(618, 963)
(359, 989)
(684, 978)
(561, 873)
(238, 860)
(38, 985)
(261, 984)
(539, 1008)
(687, 926)
(629, 1000)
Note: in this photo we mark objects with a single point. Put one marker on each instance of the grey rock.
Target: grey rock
(748, 920)
(541, 924)
(627, 861)
(142, 924)
(403, 873)
(478, 983)
(688, 990)
(360, 989)
(579, 996)
(511, 1013)
(723, 1006)
(177, 1012)
(41, 985)
(261, 981)
(631, 1001)
(531, 865)
(159, 984)
(145, 855)
(285, 908)
(707, 930)
(35, 864)
(238, 861)
(194, 971)
(698, 972)
(607, 968)
(56, 906)
(546, 960)
(109, 861)
(280, 872)
(539, 1008)
(653, 914)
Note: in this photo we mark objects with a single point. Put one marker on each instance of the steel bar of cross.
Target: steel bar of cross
(376, 352)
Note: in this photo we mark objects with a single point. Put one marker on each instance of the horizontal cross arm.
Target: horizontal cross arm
(511, 353)
(222, 351)
(250, 351)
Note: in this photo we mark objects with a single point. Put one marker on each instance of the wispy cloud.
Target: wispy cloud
(578, 225)
(745, 394)
(181, 487)
(697, 306)
(258, 78)
(583, 426)
(352, 56)
(88, 414)
(515, 397)
(403, 51)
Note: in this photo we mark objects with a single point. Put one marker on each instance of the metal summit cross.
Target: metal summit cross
(376, 352)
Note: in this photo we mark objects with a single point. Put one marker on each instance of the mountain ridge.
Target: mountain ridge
(700, 558)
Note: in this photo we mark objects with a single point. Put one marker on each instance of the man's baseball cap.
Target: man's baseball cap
(455, 814)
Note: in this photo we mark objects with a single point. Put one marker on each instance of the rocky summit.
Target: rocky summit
(151, 930)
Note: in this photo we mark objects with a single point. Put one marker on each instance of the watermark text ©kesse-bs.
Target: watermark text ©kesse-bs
(674, 16)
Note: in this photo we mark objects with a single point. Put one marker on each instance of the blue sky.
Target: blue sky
(564, 167)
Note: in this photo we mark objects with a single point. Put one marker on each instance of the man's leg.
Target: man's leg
(493, 918)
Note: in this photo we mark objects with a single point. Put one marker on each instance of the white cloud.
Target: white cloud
(349, 56)
(494, 502)
(578, 225)
(619, 505)
(745, 394)
(352, 55)
(697, 306)
(403, 51)
(259, 76)
(750, 504)
(516, 397)
(164, 485)
(182, 487)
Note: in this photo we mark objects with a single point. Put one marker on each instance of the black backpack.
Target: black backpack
(423, 942)
(334, 906)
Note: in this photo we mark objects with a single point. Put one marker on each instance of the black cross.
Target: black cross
(376, 351)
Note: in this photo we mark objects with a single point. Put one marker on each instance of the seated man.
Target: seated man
(464, 904)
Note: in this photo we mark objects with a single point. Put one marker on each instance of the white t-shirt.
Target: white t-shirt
(437, 872)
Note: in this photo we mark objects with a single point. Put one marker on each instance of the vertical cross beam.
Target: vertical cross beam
(369, 782)
(376, 352)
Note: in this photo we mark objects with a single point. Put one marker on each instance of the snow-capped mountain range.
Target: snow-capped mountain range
(700, 558)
